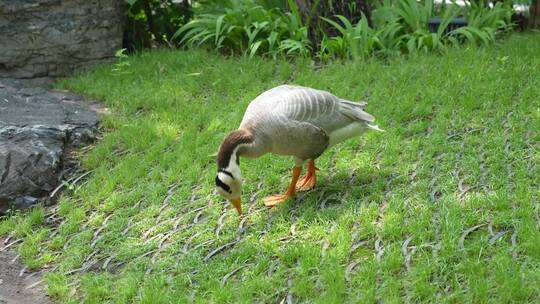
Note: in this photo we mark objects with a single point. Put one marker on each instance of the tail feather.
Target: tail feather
(356, 111)
(361, 103)
(375, 127)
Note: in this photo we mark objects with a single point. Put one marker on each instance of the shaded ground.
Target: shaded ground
(18, 285)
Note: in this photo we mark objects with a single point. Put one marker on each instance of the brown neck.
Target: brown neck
(229, 144)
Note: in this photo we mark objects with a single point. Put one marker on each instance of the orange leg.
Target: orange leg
(308, 181)
(273, 200)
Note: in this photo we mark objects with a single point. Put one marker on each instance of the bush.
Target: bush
(397, 27)
(483, 23)
(353, 41)
(151, 22)
(402, 27)
(249, 28)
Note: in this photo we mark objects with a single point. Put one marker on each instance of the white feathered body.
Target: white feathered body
(302, 122)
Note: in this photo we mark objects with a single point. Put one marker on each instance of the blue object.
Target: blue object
(434, 23)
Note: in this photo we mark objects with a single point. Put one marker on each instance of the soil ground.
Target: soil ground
(17, 284)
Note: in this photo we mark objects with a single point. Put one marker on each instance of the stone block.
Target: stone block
(36, 36)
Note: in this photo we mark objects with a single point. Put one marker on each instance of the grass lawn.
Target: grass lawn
(443, 207)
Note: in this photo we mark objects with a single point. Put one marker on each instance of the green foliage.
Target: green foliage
(152, 22)
(355, 41)
(277, 27)
(249, 28)
(402, 27)
(414, 17)
(484, 23)
(399, 27)
(121, 62)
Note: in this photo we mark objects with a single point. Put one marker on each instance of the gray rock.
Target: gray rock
(54, 38)
(37, 126)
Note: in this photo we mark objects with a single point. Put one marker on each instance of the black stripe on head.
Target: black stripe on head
(222, 185)
(226, 172)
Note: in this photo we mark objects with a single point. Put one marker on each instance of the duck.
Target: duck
(288, 120)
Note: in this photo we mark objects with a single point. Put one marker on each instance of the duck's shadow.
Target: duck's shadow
(339, 192)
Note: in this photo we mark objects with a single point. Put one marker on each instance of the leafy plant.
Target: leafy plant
(389, 39)
(355, 41)
(296, 31)
(402, 27)
(483, 24)
(414, 15)
(248, 28)
(398, 27)
(122, 62)
(151, 22)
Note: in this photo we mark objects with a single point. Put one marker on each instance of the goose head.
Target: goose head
(229, 185)
(229, 177)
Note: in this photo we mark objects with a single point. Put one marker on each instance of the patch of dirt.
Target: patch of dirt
(18, 286)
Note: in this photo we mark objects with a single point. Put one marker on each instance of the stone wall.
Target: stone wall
(51, 38)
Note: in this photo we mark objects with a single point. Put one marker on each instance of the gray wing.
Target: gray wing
(301, 139)
(320, 108)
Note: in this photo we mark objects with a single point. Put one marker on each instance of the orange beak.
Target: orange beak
(236, 204)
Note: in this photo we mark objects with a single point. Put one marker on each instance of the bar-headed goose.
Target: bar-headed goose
(288, 120)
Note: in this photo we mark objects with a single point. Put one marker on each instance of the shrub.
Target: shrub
(402, 27)
(398, 27)
(249, 28)
(354, 41)
(483, 23)
(152, 22)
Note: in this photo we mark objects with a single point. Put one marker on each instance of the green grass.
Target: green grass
(390, 218)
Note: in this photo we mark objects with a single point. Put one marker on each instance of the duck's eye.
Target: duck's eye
(222, 185)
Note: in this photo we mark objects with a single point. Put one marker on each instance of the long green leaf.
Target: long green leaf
(294, 10)
(254, 48)
(335, 25)
(219, 23)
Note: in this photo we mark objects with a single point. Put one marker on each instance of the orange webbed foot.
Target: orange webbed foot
(276, 199)
(273, 200)
(309, 180)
